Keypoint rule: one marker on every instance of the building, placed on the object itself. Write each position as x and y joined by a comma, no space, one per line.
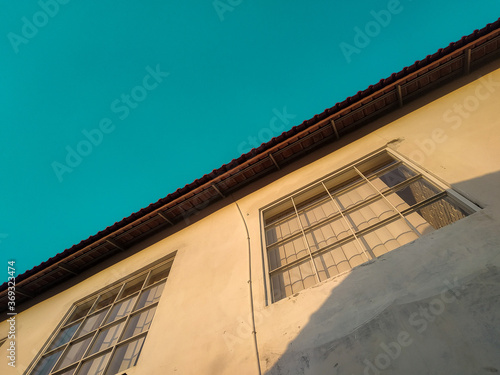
362,241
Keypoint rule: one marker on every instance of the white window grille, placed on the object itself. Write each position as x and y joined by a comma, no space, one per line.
104,334
359,213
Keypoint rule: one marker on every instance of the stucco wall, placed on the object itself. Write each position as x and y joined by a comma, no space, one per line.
437,297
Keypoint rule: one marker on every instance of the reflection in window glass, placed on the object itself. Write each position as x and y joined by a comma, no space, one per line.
92,323
139,323
133,286
81,311
74,352
64,336
150,296
125,356
94,366
71,371
106,299
121,309
159,273
108,337
46,363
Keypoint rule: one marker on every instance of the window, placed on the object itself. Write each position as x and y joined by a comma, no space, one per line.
359,213
104,334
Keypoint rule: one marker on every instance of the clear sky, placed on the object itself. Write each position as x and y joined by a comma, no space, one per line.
109,106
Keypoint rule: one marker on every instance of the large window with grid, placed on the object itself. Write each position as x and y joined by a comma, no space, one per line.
104,334
359,213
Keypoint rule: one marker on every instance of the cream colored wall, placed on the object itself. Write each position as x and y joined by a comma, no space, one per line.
202,324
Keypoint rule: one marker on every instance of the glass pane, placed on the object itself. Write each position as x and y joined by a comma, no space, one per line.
339,259
419,223
64,336
412,194
139,323
355,195
133,286
81,311
150,296
71,371
286,252
327,234
108,337
370,214
94,366
106,299
389,237
125,356
92,322
439,214
159,273
393,177
292,280
46,363
121,309
373,167
317,212
282,229
74,352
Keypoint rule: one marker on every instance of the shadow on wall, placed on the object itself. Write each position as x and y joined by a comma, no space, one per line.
429,307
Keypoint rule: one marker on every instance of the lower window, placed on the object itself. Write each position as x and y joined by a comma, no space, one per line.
357,214
104,334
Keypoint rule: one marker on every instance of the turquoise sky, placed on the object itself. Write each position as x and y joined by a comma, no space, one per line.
108,106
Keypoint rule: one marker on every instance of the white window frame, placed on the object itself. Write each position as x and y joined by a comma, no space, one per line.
65,322
463,201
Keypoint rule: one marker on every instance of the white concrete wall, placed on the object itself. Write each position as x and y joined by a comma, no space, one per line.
340,326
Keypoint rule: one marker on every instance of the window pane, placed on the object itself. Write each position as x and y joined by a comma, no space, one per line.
419,223
282,229
106,299
160,273
46,363
327,234
393,177
441,213
64,336
139,323
121,309
292,280
107,338
81,311
125,356
414,193
339,259
74,352
150,296
358,194
71,371
317,212
133,286
370,214
286,252
92,322
94,366
389,237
